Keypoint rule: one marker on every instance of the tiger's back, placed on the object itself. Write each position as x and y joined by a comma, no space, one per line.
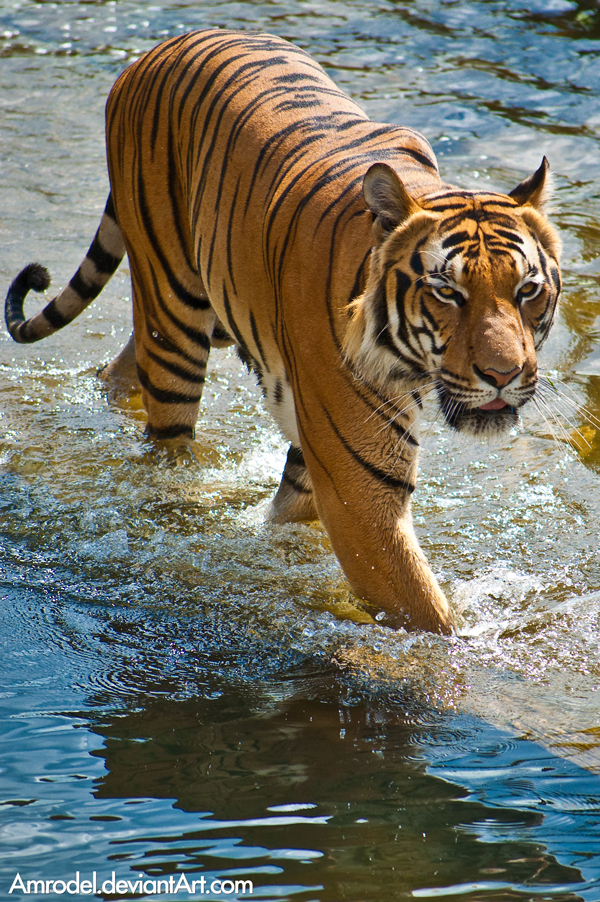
242,150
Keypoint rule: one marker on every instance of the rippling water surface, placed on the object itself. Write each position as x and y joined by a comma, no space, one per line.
188,691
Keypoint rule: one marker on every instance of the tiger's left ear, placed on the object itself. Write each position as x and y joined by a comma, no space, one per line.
536,189
387,198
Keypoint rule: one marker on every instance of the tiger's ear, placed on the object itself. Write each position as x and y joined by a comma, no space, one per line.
387,198
536,189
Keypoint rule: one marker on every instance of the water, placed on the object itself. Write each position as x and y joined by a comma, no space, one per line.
187,691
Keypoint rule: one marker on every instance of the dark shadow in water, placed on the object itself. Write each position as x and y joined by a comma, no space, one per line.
397,802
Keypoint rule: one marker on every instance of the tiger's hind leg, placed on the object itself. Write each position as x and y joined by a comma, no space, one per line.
294,501
172,337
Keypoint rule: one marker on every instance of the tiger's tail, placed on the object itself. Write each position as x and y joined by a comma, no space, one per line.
101,261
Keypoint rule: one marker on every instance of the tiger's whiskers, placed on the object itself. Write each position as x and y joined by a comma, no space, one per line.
552,392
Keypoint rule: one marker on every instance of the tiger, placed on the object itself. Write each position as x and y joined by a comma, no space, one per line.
259,206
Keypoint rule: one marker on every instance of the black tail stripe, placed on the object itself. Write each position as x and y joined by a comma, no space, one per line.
104,262
56,319
85,291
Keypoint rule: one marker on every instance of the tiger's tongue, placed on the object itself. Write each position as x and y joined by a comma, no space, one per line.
498,404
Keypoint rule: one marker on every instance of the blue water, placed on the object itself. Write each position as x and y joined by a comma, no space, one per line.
187,692
130,746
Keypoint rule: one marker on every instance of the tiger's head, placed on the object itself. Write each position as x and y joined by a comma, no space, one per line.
461,293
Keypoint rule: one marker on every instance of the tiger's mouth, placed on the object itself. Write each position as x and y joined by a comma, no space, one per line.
497,404
494,418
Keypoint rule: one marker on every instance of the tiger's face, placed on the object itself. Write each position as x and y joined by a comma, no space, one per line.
462,291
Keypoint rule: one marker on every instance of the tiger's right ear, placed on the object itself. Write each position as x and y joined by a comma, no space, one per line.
536,189
387,198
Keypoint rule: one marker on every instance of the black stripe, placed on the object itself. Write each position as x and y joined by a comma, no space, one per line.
165,396
291,78
230,243
509,235
233,325
179,210
85,291
359,281
109,209
257,342
445,207
295,469
416,261
302,490
342,220
374,471
348,189
455,238
56,319
166,63
174,431
103,261
504,247
295,457
198,336
454,253
427,315
220,333
458,380
403,283
542,256
306,443
186,297
381,320
177,369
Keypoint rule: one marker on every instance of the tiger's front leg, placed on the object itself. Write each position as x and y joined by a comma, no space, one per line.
361,458
408,590
369,523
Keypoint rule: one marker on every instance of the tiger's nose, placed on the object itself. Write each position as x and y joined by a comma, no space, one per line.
494,377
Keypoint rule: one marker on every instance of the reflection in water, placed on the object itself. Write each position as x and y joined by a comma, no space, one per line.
185,689
216,759
496,818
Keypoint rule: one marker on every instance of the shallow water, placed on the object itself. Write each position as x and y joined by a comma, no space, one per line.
187,691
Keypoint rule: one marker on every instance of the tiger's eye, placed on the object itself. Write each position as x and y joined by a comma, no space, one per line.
445,291
529,289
